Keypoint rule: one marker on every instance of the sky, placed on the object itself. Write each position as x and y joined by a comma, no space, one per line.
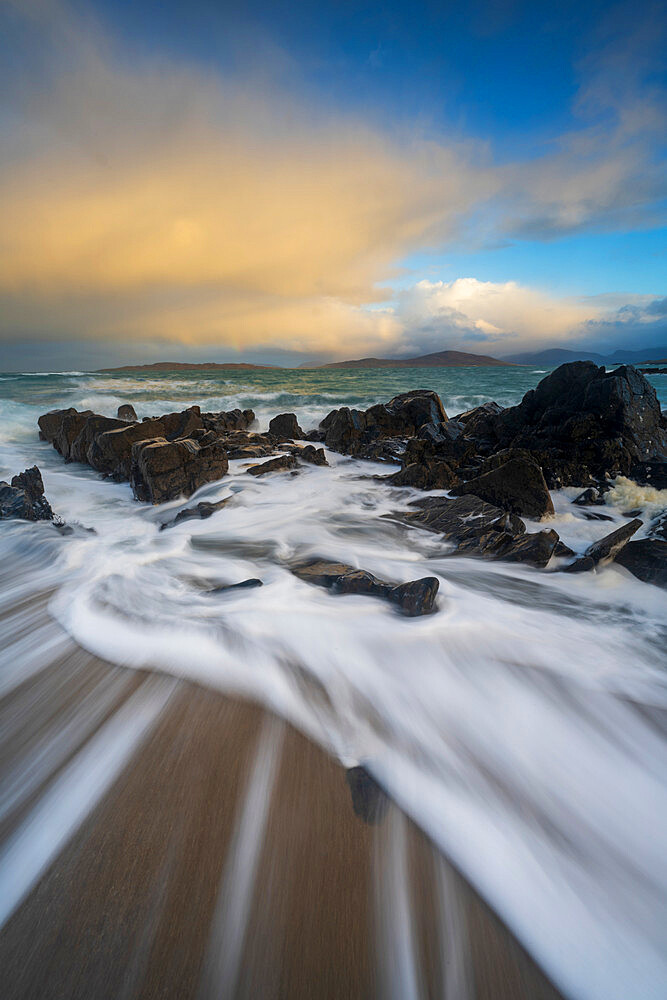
293,182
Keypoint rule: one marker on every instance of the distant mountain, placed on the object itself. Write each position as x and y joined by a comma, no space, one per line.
183,366
441,359
559,356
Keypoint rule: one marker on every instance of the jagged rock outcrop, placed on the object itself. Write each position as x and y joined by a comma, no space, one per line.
111,451
414,598
164,470
582,423
228,420
351,431
126,412
92,427
646,559
24,498
605,549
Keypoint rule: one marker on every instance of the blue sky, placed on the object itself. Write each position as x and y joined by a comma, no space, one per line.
331,179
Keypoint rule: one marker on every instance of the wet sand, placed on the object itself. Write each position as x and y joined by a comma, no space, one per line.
204,848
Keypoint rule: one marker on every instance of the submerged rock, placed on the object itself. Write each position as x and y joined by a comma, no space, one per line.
24,498
369,800
200,511
646,559
414,598
165,470
249,584
281,464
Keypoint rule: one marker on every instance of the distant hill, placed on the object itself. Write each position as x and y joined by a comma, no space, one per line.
558,356
441,359
183,366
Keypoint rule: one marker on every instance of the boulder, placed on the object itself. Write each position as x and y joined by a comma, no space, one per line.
285,425
281,464
314,456
164,470
425,476
248,444
352,431
582,423
593,496
200,512
111,451
646,559
49,423
24,498
414,598
605,549
70,428
126,412
517,486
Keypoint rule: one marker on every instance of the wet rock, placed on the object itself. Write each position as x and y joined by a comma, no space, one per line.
414,598
111,451
126,412
646,559
49,423
651,473
355,432
71,426
228,420
281,464
517,486
590,515
369,800
593,496
164,470
285,425
316,435
582,422
200,511
248,444
432,475
24,498
605,549
92,427
249,584
563,550
314,456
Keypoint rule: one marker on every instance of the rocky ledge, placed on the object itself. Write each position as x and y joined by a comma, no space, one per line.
580,426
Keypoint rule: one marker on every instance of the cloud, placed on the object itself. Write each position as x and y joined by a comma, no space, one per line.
145,199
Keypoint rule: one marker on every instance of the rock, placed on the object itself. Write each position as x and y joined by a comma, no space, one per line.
111,451
353,431
71,426
605,549
248,444
285,425
593,496
316,435
425,476
314,456
24,499
243,585
590,515
165,470
517,486
200,511
414,598
646,559
369,801
582,423
563,550
281,464
49,423
650,473
230,420
126,412
535,548
93,426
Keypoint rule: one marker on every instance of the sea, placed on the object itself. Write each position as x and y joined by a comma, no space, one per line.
522,726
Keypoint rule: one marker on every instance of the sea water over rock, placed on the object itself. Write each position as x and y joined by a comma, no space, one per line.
521,724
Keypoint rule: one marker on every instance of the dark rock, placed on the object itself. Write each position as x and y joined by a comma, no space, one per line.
517,486
344,429
414,598
24,499
165,470
352,431
243,585
658,528
69,430
285,425
200,511
563,550
314,456
369,800
248,444
126,412
590,515
49,423
316,435
650,473
535,548
92,427
281,464
646,559
592,496
581,565
637,512
230,420
425,476
469,417
111,451
605,549
582,423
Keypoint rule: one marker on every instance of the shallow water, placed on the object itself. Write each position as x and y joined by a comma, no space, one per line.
522,725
